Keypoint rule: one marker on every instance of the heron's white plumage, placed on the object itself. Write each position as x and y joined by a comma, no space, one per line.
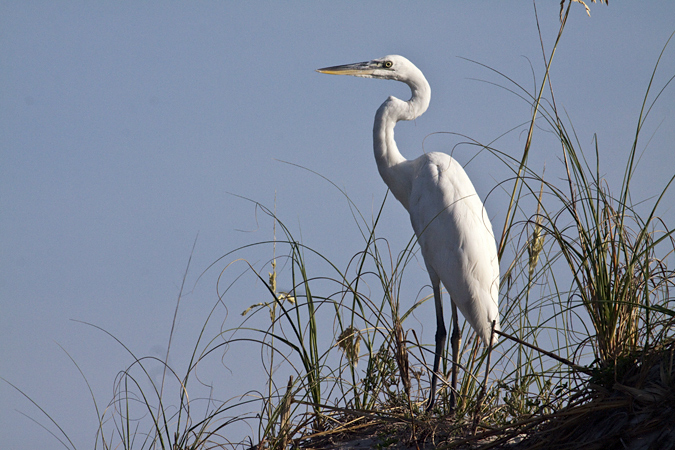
456,238
451,224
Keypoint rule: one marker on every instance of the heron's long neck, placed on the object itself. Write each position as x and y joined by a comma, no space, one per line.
389,159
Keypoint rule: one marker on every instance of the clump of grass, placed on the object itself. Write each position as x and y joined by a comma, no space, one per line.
617,259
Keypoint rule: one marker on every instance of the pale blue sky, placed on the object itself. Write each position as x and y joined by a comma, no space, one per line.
125,127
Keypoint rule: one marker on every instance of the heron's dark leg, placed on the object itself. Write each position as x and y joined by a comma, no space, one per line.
441,333
455,341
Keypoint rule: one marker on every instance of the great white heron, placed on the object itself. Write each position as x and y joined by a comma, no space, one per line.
452,227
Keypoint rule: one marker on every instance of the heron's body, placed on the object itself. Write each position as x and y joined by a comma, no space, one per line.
456,238
452,227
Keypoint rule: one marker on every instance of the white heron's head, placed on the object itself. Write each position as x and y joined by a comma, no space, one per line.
391,67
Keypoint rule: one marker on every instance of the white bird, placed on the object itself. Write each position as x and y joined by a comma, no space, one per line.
451,224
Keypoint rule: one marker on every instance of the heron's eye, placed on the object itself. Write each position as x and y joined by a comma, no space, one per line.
388,64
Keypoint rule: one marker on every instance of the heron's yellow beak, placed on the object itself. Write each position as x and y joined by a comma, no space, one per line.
358,69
